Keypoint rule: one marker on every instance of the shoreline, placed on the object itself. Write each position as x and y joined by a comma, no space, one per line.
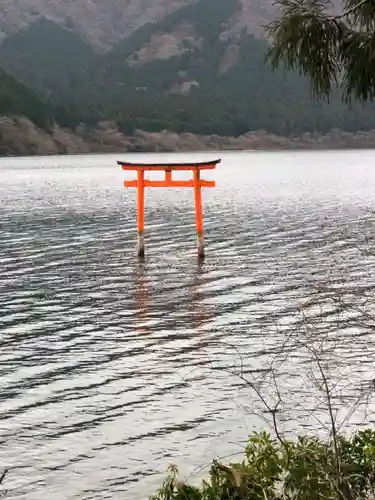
20,137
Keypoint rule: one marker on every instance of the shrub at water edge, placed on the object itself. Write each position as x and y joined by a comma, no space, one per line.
305,469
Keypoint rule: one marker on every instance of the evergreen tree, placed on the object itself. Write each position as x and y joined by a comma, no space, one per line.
331,49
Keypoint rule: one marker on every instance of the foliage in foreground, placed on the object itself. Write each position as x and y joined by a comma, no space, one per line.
330,49
305,469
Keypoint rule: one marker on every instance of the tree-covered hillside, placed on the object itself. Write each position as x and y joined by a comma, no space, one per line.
184,73
47,58
16,99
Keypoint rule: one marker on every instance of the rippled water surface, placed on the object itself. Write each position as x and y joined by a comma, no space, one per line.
110,367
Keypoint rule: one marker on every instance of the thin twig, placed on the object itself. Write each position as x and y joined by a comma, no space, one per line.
3,475
350,11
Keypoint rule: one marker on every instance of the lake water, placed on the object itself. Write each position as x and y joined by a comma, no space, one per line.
112,369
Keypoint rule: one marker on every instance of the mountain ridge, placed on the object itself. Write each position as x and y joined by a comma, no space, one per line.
182,73
16,99
103,24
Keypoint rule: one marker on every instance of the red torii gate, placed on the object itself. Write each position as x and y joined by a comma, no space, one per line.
197,183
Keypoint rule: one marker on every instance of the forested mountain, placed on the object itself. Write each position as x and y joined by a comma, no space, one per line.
189,72
104,22
49,59
16,99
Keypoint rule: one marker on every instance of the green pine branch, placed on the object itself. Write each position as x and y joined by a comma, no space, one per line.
331,50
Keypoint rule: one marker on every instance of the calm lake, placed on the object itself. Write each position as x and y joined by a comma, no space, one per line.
112,369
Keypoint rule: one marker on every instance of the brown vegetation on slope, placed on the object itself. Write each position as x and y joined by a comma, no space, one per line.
20,137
